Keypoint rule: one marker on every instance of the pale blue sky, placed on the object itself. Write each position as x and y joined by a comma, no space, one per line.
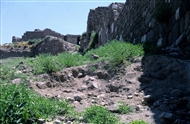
65,17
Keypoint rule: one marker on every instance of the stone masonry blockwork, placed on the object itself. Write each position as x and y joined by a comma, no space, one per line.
133,22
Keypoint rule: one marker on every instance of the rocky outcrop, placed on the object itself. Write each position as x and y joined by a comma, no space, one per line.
53,45
138,21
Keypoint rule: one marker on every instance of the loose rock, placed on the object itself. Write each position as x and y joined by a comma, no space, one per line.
77,98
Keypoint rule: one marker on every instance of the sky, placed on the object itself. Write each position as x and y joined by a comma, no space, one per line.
65,17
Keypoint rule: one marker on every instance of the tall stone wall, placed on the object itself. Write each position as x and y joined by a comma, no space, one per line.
32,35
100,21
133,22
6,53
136,24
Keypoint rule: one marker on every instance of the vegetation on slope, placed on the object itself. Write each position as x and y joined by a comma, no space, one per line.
19,104
115,52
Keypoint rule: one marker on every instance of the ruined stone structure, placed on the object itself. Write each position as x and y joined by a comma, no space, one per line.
100,20
6,53
50,45
75,39
15,39
40,34
133,22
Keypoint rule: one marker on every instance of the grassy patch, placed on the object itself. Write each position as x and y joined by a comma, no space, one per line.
19,105
117,52
8,71
138,122
99,115
33,41
124,109
46,63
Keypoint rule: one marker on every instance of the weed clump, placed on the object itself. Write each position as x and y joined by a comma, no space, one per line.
117,52
99,115
124,109
21,105
138,122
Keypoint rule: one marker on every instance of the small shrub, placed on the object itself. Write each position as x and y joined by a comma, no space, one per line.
33,41
99,115
138,122
15,44
162,12
83,35
45,63
67,59
30,42
92,69
19,105
93,41
124,109
6,73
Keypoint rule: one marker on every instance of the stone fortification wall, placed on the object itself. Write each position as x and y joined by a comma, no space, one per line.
74,39
36,34
40,34
32,35
14,53
52,33
134,22
95,20
98,19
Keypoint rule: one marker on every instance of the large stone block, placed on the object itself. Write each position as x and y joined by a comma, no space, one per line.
174,33
150,36
187,20
182,24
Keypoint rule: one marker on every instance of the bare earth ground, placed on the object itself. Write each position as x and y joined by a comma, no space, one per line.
157,88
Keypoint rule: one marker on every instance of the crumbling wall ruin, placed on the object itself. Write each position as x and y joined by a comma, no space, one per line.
40,34
100,20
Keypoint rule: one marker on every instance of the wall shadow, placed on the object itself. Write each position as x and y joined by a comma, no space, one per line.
166,84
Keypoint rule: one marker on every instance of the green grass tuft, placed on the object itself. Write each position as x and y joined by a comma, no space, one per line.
138,122
99,115
124,109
